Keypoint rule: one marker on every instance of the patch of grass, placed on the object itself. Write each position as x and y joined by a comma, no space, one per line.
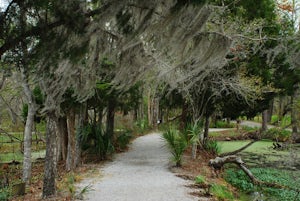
238,179
249,128
200,179
221,192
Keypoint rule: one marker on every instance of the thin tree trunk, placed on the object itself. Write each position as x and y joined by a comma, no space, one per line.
27,163
294,121
50,169
110,119
184,113
81,122
63,133
270,111
206,128
70,163
264,125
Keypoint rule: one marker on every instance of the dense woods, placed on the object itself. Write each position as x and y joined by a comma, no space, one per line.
75,64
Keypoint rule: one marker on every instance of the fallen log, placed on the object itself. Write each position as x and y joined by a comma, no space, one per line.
219,162
240,149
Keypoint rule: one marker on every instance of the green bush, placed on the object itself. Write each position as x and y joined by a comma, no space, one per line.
285,178
212,146
177,144
94,140
142,125
249,128
221,192
123,140
223,124
277,134
4,194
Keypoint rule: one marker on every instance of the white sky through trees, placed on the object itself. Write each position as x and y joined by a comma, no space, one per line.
3,4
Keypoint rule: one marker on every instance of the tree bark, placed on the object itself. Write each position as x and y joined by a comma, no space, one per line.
206,129
27,163
264,125
63,137
110,119
81,122
294,120
50,169
70,163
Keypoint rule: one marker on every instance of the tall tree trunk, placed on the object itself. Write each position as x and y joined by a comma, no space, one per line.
63,137
70,163
184,113
294,119
81,123
270,111
27,163
264,124
50,168
206,128
150,109
110,119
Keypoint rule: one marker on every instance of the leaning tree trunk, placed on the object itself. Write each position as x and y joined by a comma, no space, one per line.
27,163
264,125
50,168
70,163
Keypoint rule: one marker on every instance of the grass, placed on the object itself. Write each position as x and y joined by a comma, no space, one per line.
221,192
286,178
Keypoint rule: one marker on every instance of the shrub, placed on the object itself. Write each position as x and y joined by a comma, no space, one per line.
4,194
142,125
177,144
95,140
123,140
223,124
277,134
212,146
221,192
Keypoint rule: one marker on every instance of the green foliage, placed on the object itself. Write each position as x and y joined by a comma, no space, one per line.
123,140
212,146
223,124
238,179
277,134
142,125
192,132
94,139
221,192
4,194
177,144
200,179
249,128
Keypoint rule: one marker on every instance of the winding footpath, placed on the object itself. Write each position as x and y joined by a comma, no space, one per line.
141,174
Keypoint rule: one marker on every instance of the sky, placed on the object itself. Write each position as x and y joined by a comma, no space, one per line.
3,3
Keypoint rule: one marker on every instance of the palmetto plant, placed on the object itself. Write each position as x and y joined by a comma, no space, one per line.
176,143
194,131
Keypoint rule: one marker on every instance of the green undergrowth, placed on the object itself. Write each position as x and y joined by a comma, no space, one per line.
221,192
288,179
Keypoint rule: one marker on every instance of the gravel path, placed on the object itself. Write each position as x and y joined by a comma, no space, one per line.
141,174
